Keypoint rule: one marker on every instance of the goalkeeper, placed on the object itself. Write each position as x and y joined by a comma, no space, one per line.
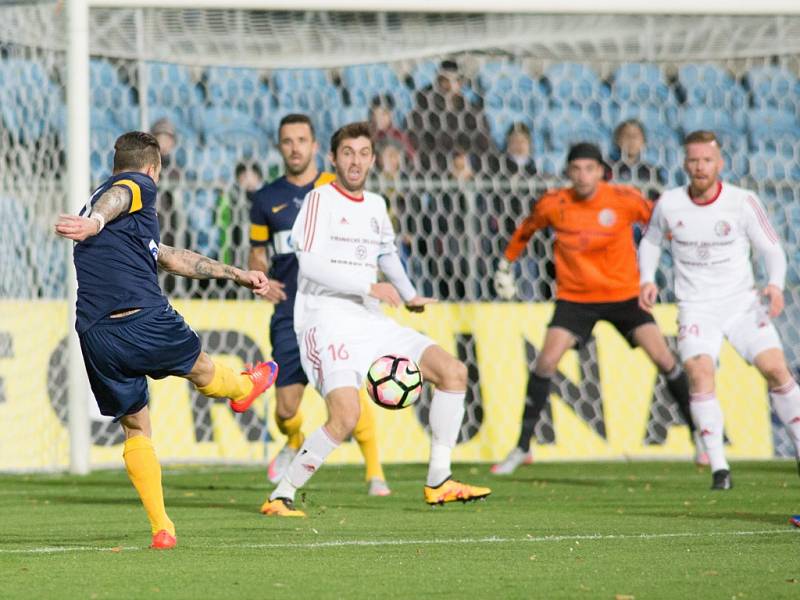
597,279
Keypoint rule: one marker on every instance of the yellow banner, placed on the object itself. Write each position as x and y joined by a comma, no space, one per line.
497,339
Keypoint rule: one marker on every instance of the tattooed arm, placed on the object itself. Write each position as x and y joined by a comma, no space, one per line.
196,266
114,202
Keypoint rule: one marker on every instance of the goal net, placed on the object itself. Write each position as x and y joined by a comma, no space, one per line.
476,113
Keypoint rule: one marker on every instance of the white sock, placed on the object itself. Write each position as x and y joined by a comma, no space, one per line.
309,459
707,417
447,412
786,402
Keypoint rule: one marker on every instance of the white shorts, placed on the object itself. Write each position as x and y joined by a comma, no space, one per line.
338,351
744,321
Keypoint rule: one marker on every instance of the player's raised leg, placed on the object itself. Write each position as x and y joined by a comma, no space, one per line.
144,471
216,380
343,414
783,391
708,418
449,375
557,341
648,337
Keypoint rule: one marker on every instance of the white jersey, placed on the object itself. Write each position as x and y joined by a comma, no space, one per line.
711,243
338,240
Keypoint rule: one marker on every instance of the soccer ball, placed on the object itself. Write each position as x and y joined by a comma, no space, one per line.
394,382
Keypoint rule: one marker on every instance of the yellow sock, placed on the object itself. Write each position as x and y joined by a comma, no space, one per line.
144,472
226,383
291,429
367,439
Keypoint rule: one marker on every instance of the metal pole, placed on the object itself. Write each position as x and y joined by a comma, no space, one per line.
78,192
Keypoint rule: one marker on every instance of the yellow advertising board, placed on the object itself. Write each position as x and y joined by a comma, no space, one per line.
605,419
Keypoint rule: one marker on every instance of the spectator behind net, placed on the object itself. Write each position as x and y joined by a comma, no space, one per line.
627,159
384,128
518,156
443,119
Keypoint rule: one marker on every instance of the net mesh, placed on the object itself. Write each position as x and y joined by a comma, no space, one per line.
216,83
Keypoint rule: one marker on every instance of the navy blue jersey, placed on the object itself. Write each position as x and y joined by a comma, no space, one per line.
117,268
274,210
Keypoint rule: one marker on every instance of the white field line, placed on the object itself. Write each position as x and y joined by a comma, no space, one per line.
443,541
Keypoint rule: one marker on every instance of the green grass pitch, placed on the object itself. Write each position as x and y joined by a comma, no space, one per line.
574,530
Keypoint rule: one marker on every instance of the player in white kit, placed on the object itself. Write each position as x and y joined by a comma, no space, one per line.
343,237
711,227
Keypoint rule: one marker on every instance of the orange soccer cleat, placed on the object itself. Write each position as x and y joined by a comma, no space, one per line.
452,490
163,540
263,375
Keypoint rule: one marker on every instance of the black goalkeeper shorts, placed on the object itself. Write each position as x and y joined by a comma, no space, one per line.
579,318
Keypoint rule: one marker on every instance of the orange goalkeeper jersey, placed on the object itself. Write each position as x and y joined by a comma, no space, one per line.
595,255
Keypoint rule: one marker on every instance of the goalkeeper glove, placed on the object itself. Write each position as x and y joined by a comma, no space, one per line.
504,280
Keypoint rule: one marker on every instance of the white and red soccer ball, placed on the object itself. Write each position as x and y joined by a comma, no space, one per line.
394,382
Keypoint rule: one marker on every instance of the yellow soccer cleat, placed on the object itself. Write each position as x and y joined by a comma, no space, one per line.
281,507
452,490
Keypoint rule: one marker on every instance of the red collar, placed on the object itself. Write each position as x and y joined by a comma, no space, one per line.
346,195
713,199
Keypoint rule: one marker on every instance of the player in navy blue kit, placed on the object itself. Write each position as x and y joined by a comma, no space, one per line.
126,326
275,207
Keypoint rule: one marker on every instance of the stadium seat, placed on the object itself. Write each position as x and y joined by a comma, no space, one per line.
231,128
641,83
364,82
720,122
423,74
574,81
507,85
773,86
786,145
569,125
768,121
708,84
242,89
172,94
773,167
110,93
31,105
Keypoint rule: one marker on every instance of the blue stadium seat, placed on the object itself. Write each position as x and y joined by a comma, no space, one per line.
768,122
423,74
31,105
101,149
773,86
211,165
550,163
364,82
507,86
786,145
200,206
231,128
720,122
242,89
574,81
569,125
297,80
640,82
773,167
708,84
172,93
110,93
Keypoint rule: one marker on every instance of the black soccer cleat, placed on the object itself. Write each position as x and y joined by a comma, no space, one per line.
721,480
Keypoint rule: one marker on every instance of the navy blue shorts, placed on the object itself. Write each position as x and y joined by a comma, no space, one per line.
286,352
118,353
